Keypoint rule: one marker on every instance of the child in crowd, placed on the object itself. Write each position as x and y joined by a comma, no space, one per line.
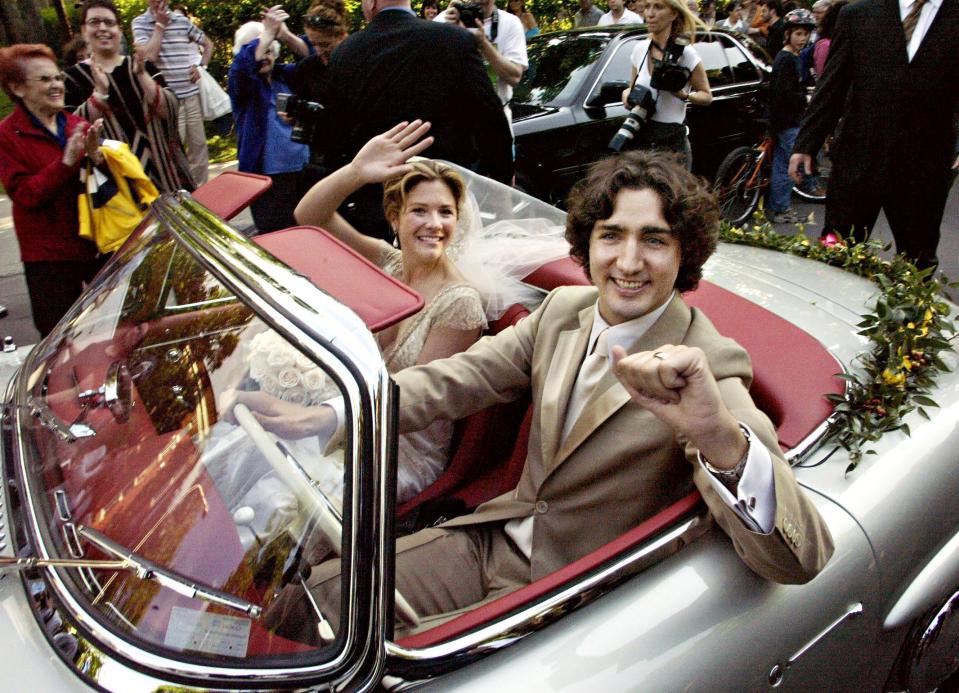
787,102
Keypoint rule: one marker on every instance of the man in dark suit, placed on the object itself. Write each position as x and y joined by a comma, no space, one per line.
401,67
890,66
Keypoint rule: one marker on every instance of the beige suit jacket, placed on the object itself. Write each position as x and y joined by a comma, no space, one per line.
620,464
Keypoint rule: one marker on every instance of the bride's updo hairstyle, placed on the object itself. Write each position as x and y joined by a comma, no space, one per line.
397,190
689,207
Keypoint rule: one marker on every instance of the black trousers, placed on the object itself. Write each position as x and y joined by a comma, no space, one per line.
54,286
665,137
274,209
914,212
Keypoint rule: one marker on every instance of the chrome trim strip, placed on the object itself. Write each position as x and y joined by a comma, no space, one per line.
852,611
251,273
437,659
810,444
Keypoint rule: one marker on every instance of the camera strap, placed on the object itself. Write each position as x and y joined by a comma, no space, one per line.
494,25
645,60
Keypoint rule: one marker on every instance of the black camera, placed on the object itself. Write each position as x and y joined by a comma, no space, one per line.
470,12
305,115
643,106
668,74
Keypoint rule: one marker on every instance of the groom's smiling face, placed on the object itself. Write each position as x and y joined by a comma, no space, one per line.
634,257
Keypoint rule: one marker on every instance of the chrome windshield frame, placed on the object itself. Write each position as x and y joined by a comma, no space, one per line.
327,332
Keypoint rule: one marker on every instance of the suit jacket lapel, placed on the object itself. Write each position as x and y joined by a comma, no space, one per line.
609,396
564,366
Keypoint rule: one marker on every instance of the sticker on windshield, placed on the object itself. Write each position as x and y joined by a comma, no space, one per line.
218,634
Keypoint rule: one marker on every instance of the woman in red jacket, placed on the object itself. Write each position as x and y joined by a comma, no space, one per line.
41,149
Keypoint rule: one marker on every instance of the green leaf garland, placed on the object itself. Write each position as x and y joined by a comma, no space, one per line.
908,330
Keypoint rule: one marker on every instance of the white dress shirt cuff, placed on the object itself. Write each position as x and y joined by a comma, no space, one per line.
755,499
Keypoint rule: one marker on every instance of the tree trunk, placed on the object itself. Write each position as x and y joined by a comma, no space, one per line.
30,11
13,27
64,20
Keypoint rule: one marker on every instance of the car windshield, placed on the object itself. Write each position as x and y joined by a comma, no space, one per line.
189,515
557,67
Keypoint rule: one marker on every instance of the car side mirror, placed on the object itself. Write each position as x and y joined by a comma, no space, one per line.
609,92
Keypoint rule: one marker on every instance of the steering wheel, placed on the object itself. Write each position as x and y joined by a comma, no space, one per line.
309,495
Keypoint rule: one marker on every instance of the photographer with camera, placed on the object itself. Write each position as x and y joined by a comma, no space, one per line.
258,89
501,40
667,74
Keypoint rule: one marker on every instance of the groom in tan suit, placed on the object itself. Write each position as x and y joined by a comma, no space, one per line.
636,399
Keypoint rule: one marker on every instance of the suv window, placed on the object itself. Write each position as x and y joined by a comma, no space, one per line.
714,61
557,68
743,70
620,66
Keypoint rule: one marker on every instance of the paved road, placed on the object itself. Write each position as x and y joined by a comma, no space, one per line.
19,325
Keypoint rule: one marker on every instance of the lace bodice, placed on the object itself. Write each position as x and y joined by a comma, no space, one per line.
457,306
423,455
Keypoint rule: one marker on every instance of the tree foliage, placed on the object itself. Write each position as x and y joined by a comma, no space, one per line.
220,19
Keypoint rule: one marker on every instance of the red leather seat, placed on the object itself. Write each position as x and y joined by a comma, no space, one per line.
231,192
490,447
379,299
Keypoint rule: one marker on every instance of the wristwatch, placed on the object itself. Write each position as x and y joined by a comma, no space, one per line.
731,477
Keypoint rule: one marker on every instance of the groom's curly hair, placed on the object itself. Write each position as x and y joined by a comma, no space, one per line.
689,206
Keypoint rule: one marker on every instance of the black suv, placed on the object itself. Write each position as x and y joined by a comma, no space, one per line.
568,105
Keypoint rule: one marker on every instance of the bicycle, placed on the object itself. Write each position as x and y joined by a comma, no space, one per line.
743,177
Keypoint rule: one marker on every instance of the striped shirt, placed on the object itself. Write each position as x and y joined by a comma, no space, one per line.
179,51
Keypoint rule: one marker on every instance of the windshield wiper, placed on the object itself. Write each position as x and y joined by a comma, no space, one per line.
147,570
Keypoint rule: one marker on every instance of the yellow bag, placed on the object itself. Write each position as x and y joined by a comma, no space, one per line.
112,206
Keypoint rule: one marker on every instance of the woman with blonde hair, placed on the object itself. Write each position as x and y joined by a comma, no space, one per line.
672,28
423,201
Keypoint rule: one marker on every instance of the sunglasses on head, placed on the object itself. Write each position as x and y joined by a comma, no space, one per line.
316,22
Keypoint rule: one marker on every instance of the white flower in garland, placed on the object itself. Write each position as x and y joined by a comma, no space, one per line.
283,372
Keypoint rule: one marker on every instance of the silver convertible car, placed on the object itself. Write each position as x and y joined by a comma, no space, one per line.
144,537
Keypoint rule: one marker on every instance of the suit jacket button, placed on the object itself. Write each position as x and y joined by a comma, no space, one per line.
542,507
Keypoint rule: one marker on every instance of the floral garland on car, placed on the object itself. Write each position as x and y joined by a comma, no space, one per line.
908,330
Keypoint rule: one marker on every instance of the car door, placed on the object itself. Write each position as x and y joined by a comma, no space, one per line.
599,118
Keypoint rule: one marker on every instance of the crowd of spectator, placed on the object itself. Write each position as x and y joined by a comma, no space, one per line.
403,65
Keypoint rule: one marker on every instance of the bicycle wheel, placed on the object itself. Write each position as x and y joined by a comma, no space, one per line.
736,186
815,187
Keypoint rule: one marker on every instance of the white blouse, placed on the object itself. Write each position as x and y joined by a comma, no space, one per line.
669,109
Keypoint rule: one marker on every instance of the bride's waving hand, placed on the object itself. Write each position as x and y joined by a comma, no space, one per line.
382,158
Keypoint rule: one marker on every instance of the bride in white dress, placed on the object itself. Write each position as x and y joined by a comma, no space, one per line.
466,264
